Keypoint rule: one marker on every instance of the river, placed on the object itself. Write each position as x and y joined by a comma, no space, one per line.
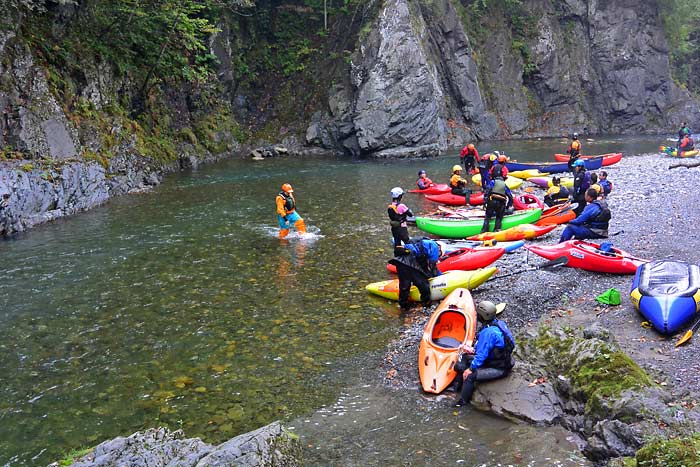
182,308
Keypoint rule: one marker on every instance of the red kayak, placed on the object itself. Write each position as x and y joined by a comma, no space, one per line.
436,189
608,159
557,214
465,259
588,255
527,201
475,199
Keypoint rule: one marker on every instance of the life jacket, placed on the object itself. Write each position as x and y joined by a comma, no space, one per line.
581,183
597,187
498,191
687,144
397,216
498,171
289,203
602,219
575,148
455,182
423,183
606,185
501,357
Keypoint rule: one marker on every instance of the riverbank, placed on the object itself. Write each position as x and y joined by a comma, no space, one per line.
655,221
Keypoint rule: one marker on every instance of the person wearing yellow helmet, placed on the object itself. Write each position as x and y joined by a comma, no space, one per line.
458,185
468,158
287,214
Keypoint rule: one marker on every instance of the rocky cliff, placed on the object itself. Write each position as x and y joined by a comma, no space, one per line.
421,83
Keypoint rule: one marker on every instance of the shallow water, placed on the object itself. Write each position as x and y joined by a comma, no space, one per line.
182,308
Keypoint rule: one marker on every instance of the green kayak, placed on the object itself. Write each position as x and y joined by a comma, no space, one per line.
461,228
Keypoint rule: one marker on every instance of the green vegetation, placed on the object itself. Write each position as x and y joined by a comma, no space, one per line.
680,19
596,370
677,452
73,456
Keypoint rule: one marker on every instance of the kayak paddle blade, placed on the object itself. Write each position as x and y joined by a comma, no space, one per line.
686,337
554,263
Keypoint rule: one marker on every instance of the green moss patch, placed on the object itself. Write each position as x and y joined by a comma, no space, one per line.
678,452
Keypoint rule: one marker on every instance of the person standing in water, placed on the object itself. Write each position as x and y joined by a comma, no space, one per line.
287,214
398,214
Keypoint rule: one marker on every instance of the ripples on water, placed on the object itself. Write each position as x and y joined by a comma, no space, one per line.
182,308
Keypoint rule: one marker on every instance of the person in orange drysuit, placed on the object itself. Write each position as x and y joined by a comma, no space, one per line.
286,212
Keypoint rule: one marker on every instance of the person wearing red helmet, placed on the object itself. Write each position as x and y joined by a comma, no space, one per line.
468,158
287,214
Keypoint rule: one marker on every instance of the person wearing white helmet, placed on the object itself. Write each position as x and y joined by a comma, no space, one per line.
287,214
398,215
491,359
574,151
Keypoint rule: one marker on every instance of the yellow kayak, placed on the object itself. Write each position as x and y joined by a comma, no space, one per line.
525,174
440,286
511,182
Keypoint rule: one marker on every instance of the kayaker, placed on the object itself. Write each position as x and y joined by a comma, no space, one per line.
287,213
499,170
491,359
687,144
605,183
398,214
496,198
593,221
423,181
684,130
458,185
595,185
574,151
416,262
468,158
484,167
582,181
557,193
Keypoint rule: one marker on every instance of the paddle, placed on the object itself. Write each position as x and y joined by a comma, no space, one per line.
472,213
552,264
688,334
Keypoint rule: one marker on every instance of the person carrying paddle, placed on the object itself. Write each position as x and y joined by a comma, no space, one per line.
286,212
468,158
416,262
398,214
557,193
458,185
593,221
423,181
491,359
582,181
574,151
496,198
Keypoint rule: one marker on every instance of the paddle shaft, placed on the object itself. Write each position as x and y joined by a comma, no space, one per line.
555,263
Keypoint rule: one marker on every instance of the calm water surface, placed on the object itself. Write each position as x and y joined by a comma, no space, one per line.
182,308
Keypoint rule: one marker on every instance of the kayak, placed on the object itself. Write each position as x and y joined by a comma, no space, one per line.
449,245
588,255
594,163
433,189
462,228
511,182
475,199
667,293
608,159
465,259
525,174
452,323
546,182
440,286
673,152
527,201
557,214
519,232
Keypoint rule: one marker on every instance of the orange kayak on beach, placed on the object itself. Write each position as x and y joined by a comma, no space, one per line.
519,232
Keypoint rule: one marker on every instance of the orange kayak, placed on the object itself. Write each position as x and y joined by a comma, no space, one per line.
519,232
452,323
557,214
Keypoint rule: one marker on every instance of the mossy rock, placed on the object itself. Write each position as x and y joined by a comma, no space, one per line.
677,452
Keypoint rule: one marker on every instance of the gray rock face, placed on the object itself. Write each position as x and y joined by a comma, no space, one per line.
270,445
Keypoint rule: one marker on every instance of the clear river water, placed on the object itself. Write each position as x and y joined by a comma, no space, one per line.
182,308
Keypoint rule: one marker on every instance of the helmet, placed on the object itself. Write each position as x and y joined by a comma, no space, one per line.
421,172
502,158
288,188
396,192
493,157
555,180
575,136
486,310
577,163
456,168
496,153
471,146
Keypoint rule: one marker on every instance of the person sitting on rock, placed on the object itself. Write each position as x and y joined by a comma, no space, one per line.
593,221
416,262
458,185
423,181
468,158
557,193
605,184
491,359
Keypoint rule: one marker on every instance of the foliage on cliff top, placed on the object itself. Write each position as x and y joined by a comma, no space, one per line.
680,19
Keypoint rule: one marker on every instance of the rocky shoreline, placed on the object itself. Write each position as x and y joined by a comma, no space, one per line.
559,306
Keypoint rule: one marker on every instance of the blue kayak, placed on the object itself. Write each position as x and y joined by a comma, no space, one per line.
594,163
667,293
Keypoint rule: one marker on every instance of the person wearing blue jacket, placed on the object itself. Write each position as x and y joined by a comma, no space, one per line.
593,221
416,262
493,356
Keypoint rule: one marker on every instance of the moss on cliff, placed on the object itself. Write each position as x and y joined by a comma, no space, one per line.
677,452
